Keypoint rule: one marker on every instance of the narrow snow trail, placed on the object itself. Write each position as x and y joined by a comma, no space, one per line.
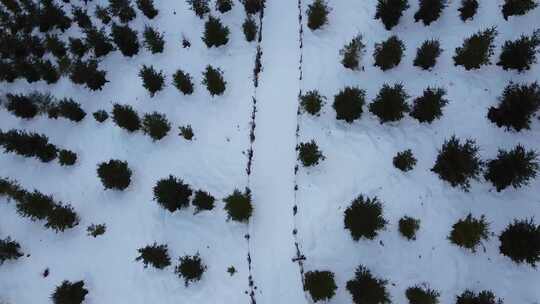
272,183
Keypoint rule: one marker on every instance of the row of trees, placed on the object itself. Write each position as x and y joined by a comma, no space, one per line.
28,106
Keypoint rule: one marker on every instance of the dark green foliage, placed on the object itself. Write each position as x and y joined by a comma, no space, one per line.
153,40
215,34
22,106
458,163
408,227
125,117
9,250
388,53
62,217
7,71
367,289
96,230
517,105
238,205
122,9
69,293
153,81
28,145
348,104
100,115
51,16
125,39
56,46
404,160
88,73
422,294
12,5
213,80
147,7
429,11
520,54
317,14
231,270
67,108
203,201
250,28
309,154
48,71
199,7
428,107
98,41
67,158
320,285
172,194
77,47
390,104
252,7
28,69
518,7
191,268
483,297
102,13
11,189
155,255
476,50
156,125
427,54
520,241
468,9
182,81
352,52
389,11
312,102
35,205
186,132
363,218
114,174
81,17
224,6
512,168
469,232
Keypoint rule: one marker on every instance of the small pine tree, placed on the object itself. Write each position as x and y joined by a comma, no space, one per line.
156,125
199,7
348,104
512,168
98,41
224,6
88,73
21,106
147,7
320,285
317,14
77,47
312,102
183,82
388,54
62,217
404,160
81,17
252,7
49,16
458,163
7,71
250,28
102,13
428,107
67,158
309,154
125,39
172,194
427,54
28,145
517,105
408,227
153,40
390,104
28,70
69,293
238,206
468,9
363,218
476,50
69,109
366,288
155,255
213,80
422,294
101,116
9,250
96,230
352,53
56,46
469,232
186,132
429,11
520,54
114,174
483,297
520,241
518,7
125,117
203,201
390,11
48,71
153,81
191,268
122,9
215,34
35,205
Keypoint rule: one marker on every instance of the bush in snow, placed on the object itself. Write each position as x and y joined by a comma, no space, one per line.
408,227
348,104
96,230
102,13
28,145
155,255
427,54
69,293
250,28
422,294
153,81
122,9
320,285
428,107
98,41
476,50
50,16
312,102
78,47
191,268
352,53
390,104
156,125
62,217
199,7
483,297
35,205
317,14
125,39
517,105
517,7
48,71
224,6
389,11
203,201
67,108
9,250
148,8
253,6
182,81
11,189
512,168
458,163
87,73
363,218
238,205
469,232
67,158
309,154
520,54
172,194
114,174
366,288
429,11
22,106
388,54
520,241
153,40
81,17
215,34
56,46
213,80
126,118
100,115
468,9
404,160
186,132
28,69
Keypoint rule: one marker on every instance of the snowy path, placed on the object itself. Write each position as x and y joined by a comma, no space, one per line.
277,278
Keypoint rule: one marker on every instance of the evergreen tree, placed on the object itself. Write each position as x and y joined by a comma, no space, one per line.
81,17
367,289
56,46
88,73
348,104
512,168
172,193
156,125
186,132
69,293
517,105
422,294
404,161
77,47
215,34
125,39
28,69
363,218
252,7
389,11
183,82
388,53
483,297
203,201
28,145
153,40
428,107
199,7
148,8
468,9
213,80
35,205
100,115
62,217
309,154
520,241
320,285
155,255
50,16
102,13
7,71
9,250
429,11
22,106
238,206
96,230
352,53
122,9
312,102
469,232
125,117
476,50
153,81
191,268
317,14
250,28
98,41
48,71
517,7
390,104
520,54
408,227
69,109
67,158
114,174
427,54
224,6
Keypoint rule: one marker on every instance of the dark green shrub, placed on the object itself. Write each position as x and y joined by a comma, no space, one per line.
35,205
77,47
69,109
96,230
483,297
422,294
469,232
429,11
520,54
191,268
428,107
156,125
49,16
215,34
517,105
203,201
172,194
367,289
388,53
114,174
62,217
67,158
125,117
518,7
81,17
22,106
153,40
153,81
56,46
252,7
102,13
317,14
390,104
147,7
250,28
48,71
186,132
69,293
213,80
390,11
224,6
476,50
125,39
28,145
98,41
352,52
320,285
88,73
199,7
100,115
363,218
182,81
309,154
404,160
312,102
468,9
155,255
122,9
348,104
520,241
9,250
512,168
238,206
427,54
408,227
